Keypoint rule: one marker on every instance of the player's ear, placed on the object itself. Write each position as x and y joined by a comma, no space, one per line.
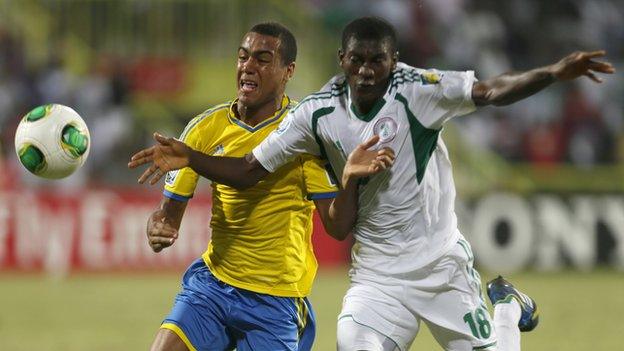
395,59
340,55
290,71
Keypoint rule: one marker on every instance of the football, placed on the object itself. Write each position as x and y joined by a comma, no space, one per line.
52,141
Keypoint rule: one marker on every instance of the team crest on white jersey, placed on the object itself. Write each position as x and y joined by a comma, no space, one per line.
386,128
430,77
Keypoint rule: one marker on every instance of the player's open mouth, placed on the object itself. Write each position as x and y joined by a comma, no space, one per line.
247,86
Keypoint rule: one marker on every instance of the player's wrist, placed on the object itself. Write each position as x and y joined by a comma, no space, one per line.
348,179
191,158
554,72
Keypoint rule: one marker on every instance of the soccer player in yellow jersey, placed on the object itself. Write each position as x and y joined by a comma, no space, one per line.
248,289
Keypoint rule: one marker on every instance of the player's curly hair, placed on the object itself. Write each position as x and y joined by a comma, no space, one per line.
288,43
369,28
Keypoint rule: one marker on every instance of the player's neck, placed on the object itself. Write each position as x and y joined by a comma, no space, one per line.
363,107
252,116
365,104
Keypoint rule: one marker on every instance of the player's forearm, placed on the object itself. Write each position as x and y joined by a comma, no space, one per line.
511,87
163,224
237,172
172,211
343,211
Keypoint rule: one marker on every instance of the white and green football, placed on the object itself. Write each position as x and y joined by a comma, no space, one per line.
52,141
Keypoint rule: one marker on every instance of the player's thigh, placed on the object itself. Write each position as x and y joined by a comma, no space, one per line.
457,316
273,323
167,340
353,336
200,314
451,340
379,308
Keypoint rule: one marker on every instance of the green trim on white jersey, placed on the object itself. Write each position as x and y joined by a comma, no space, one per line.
367,117
315,117
424,140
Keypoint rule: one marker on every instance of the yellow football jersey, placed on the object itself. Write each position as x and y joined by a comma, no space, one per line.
261,236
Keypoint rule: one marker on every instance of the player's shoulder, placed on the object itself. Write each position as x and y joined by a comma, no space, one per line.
327,97
408,77
211,115
214,111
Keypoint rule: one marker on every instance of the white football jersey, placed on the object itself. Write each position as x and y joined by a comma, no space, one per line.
406,216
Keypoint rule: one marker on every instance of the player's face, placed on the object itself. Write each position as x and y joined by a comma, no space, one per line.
261,75
367,65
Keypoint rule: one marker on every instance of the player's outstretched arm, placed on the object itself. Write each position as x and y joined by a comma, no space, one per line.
339,215
163,224
511,87
171,154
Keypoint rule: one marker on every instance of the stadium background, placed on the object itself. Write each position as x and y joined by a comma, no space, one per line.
540,183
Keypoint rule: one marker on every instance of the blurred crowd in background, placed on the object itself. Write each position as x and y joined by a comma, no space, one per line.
123,97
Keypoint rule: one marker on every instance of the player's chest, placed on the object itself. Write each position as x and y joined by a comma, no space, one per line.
235,142
342,131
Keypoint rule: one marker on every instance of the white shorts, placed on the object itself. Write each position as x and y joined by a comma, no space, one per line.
445,294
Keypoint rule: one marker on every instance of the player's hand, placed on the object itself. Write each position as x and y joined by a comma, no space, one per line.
582,63
363,162
169,154
159,233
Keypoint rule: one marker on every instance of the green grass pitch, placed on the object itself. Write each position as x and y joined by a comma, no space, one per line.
579,311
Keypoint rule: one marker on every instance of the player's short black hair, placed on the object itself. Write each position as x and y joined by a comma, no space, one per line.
369,28
288,43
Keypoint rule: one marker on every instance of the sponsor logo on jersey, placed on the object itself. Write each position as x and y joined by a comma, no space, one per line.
171,177
386,128
218,150
430,77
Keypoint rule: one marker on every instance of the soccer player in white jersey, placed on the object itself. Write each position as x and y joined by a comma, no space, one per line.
410,262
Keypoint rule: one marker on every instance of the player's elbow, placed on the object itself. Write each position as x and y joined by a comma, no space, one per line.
343,235
251,175
246,174
337,232
338,224
242,182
